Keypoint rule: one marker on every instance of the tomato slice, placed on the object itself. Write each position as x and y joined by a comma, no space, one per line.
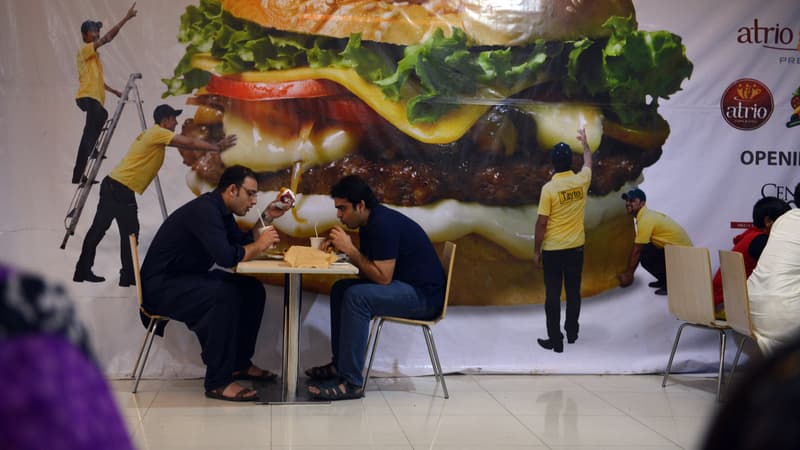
243,90
350,109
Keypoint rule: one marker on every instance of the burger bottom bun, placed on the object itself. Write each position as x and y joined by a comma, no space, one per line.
486,274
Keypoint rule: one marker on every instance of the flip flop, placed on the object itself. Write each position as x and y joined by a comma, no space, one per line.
240,396
265,376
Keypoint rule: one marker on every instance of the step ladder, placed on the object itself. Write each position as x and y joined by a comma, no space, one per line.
99,154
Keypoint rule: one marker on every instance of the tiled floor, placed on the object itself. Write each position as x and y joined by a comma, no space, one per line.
483,412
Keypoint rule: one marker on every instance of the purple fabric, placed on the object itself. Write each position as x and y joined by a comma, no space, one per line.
55,398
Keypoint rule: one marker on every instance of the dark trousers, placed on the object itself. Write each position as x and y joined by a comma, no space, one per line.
562,267
354,303
96,116
223,309
653,260
117,202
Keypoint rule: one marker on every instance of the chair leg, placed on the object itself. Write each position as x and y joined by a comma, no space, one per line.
736,358
141,350
437,366
722,337
151,335
376,328
672,355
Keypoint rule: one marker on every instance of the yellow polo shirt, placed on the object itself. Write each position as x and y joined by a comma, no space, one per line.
563,200
90,74
653,226
145,157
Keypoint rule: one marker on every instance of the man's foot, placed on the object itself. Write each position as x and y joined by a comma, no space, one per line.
326,372
656,284
661,291
233,392
255,374
549,344
127,281
336,389
572,339
86,275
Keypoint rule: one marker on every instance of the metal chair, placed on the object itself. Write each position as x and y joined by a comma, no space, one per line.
691,299
154,318
448,257
737,302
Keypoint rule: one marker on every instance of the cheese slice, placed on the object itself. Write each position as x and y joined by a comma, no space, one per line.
448,128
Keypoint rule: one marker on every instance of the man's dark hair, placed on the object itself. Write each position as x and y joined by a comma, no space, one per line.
354,190
771,207
234,175
561,156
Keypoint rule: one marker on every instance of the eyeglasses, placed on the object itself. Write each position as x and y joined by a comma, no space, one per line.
252,193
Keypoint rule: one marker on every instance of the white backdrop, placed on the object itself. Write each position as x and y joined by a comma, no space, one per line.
699,181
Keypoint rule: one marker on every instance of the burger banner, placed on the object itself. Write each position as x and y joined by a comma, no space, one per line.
448,109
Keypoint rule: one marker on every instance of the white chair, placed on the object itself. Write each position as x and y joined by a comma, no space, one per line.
448,257
155,319
737,302
691,298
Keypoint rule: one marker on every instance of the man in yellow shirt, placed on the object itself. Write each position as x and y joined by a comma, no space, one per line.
558,244
654,230
133,174
91,92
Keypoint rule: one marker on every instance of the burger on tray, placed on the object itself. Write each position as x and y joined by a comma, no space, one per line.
446,108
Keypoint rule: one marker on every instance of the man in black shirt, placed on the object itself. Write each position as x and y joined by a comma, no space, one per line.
224,309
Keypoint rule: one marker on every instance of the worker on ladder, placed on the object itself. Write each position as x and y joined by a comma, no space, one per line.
133,174
91,92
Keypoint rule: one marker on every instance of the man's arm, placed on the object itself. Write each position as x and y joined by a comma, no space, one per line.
265,240
112,90
112,33
189,143
380,272
587,152
541,228
626,278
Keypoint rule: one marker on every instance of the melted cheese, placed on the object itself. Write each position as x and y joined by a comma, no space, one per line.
448,128
559,122
510,228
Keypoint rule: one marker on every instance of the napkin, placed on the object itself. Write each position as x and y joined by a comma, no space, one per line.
299,256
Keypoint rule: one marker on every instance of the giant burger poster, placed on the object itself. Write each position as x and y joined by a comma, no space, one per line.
448,109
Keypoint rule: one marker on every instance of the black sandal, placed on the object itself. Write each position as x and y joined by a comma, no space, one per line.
245,395
326,372
331,390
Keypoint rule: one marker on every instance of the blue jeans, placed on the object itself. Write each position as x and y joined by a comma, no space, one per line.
354,303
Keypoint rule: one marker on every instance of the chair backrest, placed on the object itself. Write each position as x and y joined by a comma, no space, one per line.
734,288
137,274
448,258
689,290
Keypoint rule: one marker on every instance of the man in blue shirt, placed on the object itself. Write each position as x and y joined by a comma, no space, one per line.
224,309
400,275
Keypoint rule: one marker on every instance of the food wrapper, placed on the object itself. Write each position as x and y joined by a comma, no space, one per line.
307,257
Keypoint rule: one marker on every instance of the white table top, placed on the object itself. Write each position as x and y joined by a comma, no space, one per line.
276,266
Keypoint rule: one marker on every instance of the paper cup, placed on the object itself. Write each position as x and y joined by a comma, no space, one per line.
316,242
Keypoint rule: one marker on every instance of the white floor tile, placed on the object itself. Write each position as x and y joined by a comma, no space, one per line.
688,432
477,431
556,403
662,404
459,404
195,403
205,432
337,431
610,431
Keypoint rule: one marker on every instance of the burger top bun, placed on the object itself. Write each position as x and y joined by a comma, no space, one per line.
486,22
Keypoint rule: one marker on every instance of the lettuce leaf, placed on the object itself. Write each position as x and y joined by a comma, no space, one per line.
627,73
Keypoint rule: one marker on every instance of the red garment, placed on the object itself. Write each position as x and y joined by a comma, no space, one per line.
741,244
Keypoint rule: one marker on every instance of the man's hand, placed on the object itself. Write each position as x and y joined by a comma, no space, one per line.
276,208
116,92
131,12
582,136
226,142
625,279
537,260
267,237
341,241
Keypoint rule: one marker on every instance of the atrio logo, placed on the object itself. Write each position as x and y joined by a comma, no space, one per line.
746,104
772,36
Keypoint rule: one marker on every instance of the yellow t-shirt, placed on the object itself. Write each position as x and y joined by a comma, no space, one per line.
90,74
563,200
145,157
653,226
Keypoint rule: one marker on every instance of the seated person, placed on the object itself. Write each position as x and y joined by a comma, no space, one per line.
773,286
55,395
750,243
400,275
224,309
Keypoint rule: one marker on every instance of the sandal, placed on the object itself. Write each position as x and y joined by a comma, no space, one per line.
245,395
331,390
326,372
265,376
